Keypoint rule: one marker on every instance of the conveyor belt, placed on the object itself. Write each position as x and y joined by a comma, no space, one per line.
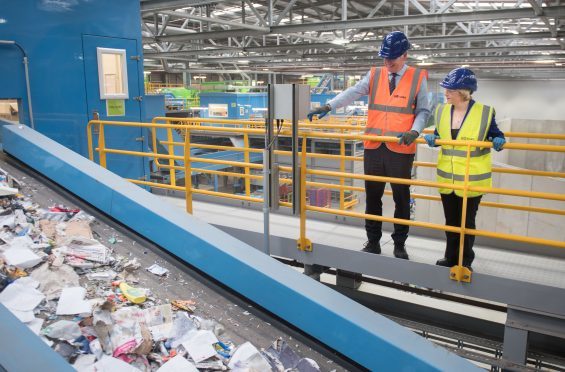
242,320
358,333
451,319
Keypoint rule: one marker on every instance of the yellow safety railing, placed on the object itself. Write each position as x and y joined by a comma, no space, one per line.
227,127
342,158
153,87
344,202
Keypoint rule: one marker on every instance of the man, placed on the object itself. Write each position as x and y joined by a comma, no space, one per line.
398,106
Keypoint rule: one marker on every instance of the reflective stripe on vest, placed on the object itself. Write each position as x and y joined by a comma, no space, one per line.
458,177
463,153
452,159
392,114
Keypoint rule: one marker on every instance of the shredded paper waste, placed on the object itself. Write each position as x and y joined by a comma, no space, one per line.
85,301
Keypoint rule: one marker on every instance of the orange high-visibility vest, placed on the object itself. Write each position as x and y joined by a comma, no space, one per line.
392,114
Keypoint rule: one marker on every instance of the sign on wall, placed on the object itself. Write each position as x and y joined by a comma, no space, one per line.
115,107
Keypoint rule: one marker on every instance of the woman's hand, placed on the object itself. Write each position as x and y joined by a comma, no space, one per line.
431,139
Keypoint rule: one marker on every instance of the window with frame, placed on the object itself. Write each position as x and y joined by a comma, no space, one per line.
112,73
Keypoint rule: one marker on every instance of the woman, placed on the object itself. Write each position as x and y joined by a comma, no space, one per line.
463,119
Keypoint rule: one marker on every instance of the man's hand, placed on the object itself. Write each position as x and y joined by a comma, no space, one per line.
498,143
407,138
320,111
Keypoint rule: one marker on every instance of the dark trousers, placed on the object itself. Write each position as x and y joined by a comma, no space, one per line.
384,162
452,209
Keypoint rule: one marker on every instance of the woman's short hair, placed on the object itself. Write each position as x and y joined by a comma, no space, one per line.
465,94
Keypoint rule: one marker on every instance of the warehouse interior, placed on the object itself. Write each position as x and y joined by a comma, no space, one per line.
175,133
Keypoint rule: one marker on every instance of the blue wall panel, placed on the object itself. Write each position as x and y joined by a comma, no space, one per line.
53,33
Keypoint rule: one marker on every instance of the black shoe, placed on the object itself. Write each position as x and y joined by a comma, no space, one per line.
400,252
445,262
372,247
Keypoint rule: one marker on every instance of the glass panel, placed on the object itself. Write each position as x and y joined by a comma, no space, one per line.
112,73
9,109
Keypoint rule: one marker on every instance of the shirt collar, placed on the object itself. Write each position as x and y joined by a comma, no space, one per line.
400,72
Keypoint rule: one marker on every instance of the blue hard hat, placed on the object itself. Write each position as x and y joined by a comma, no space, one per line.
460,78
394,45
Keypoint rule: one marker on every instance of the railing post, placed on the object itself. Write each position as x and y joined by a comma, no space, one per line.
154,143
102,145
89,141
342,169
172,170
246,159
460,273
304,244
187,171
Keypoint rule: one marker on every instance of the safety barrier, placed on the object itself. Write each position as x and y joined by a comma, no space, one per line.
342,133
153,87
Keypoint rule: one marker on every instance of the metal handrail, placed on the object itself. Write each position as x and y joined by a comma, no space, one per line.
172,168
458,273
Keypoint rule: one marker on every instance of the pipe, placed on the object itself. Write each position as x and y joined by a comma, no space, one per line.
26,69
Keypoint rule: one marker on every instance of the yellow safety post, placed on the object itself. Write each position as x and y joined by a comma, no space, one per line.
342,169
102,146
172,172
247,160
303,243
459,272
154,143
187,172
89,140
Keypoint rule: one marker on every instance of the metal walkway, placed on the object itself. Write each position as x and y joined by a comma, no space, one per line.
531,268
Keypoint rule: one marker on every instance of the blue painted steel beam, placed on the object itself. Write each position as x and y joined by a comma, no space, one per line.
23,350
369,339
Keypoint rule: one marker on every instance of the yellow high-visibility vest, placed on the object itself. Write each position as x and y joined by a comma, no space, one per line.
452,159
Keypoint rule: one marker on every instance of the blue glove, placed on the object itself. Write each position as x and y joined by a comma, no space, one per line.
407,137
320,111
431,139
498,143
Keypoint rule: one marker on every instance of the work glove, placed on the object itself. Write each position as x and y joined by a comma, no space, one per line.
407,138
498,143
431,139
320,111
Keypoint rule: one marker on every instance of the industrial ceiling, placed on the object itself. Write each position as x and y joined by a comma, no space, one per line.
503,38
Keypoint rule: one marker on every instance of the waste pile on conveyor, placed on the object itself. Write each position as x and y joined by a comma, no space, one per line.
88,304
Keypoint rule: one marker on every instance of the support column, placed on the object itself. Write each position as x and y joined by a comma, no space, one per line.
515,345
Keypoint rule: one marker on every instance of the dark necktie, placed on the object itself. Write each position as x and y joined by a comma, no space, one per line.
392,82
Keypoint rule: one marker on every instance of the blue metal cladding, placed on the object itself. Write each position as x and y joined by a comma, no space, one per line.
60,38
371,340
18,342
